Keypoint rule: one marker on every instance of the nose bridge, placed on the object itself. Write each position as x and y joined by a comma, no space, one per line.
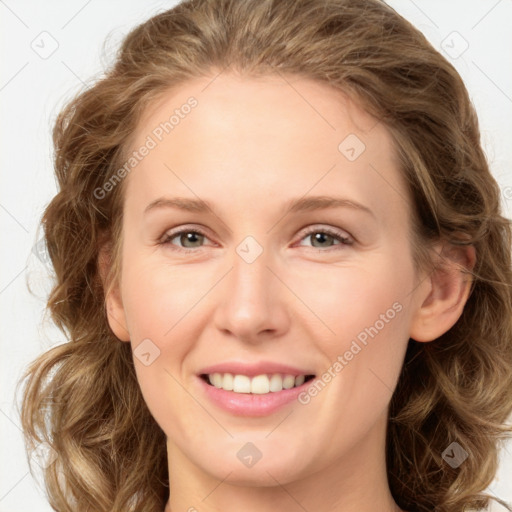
252,302
250,277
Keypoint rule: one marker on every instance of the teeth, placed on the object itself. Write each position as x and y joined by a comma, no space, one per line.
300,380
241,384
288,381
227,381
276,383
259,385
216,380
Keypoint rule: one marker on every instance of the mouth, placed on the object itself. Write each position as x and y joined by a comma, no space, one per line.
257,385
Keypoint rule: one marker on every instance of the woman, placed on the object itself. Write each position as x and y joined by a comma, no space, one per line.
260,369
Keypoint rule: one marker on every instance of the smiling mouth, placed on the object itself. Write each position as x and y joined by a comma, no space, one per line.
259,384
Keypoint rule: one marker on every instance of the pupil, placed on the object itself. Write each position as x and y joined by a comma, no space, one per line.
320,237
189,237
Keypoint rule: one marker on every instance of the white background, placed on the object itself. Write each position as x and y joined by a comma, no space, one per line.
33,89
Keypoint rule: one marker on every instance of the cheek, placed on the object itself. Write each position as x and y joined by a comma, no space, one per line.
366,310
159,301
158,297
346,299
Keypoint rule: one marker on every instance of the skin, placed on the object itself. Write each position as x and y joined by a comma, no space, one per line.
250,146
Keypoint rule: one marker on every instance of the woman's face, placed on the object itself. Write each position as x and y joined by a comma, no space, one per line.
300,265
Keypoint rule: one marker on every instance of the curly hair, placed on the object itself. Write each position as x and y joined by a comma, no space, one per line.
82,397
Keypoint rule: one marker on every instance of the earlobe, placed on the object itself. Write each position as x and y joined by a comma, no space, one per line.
448,288
113,303
116,315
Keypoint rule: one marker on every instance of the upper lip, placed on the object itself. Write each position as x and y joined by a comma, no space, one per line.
253,369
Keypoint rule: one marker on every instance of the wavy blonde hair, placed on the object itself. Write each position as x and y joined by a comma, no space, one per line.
82,397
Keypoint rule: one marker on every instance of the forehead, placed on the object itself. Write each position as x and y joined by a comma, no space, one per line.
262,104
260,138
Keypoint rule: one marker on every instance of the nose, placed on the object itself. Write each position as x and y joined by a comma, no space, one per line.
253,304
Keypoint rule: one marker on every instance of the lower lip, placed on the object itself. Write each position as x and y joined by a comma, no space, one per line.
249,404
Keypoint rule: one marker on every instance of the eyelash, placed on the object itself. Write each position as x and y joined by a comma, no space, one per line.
166,240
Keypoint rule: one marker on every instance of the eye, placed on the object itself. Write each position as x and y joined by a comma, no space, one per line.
193,238
186,237
324,237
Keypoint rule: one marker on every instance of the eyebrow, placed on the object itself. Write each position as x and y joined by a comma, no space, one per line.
302,204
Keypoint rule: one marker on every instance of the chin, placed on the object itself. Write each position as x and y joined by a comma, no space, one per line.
256,473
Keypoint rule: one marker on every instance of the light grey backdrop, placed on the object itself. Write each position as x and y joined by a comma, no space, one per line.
50,49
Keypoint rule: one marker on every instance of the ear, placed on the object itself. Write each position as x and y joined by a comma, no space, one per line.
113,303
447,290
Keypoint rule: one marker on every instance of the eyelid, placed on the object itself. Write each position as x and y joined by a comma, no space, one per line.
343,237
330,230
172,233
